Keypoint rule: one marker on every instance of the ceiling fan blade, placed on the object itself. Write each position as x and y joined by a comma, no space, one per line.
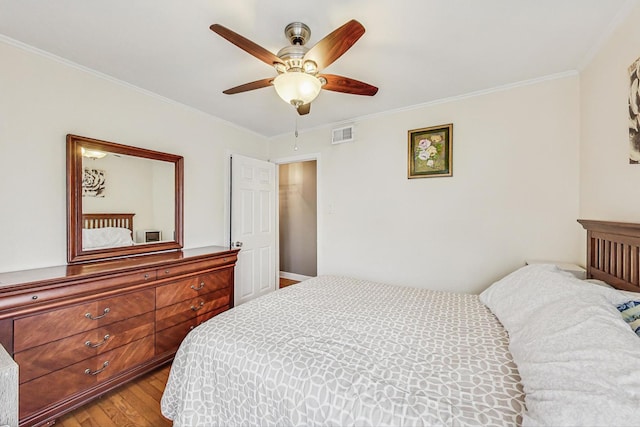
330,48
304,109
258,84
247,45
345,84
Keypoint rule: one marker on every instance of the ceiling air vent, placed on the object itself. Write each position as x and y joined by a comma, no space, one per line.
343,134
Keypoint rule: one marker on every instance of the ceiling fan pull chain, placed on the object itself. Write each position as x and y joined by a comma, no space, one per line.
295,145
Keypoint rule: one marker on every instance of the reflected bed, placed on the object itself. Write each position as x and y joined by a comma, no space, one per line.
101,220
107,230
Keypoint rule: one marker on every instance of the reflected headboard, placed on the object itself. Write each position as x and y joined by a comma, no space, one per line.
101,220
613,253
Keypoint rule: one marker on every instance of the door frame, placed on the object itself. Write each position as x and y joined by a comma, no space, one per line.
319,198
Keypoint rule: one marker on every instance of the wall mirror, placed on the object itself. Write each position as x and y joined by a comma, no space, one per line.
121,200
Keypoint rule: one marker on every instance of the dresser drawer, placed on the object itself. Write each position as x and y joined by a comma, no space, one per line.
39,329
192,267
181,312
64,383
42,296
168,340
192,287
41,360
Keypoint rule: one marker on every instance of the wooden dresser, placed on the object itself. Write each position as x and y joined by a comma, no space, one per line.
78,331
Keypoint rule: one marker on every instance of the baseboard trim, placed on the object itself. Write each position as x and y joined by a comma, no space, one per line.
293,276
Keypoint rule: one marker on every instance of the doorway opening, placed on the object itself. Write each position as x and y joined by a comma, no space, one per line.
298,221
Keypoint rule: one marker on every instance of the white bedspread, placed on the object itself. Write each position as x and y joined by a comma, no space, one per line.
338,351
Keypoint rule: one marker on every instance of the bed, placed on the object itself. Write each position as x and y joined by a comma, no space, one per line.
101,220
538,347
107,230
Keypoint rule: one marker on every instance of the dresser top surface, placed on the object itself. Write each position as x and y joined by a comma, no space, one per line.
77,271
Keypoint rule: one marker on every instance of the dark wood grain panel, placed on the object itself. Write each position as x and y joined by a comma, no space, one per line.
195,267
43,328
62,384
41,360
46,298
168,340
192,287
177,313
62,275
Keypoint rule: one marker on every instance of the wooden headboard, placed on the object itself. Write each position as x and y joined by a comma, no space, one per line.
101,220
613,253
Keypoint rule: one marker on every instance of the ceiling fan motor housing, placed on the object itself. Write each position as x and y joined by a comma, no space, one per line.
297,33
293,55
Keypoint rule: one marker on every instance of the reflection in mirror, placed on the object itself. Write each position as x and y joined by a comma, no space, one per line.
122,200
120,183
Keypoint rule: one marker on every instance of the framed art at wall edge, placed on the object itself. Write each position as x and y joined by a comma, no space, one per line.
634,112
430,152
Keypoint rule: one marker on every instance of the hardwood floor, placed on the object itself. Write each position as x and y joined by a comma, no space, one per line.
287,282
136,404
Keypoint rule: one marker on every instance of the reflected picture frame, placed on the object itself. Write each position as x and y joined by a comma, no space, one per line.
430,152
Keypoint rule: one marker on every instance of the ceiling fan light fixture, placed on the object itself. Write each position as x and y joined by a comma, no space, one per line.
280,67
297,88
92,154
310,67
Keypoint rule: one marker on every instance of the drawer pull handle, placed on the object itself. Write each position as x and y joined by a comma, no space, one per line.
104,313
198,307
98,344
198,287
146,276
166,272
105,365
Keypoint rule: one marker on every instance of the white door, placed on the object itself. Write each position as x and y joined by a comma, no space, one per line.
253,226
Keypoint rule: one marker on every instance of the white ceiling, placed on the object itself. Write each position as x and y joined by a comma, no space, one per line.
415,51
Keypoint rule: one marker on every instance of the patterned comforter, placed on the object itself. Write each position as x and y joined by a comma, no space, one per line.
334,351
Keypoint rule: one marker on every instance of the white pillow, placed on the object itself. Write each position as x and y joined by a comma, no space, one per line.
629,294
599,283
579,361
106,237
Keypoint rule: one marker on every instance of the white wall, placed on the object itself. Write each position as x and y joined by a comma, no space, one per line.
513,195
42,100
609,185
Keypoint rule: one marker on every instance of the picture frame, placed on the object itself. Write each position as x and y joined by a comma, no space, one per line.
634,112
93,182
430,152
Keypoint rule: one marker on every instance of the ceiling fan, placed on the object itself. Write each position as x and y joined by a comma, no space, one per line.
298,81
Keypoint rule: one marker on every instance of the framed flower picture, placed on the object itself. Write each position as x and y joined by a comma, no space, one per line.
430,152
634,112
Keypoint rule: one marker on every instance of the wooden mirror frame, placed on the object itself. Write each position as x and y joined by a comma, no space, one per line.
75,253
